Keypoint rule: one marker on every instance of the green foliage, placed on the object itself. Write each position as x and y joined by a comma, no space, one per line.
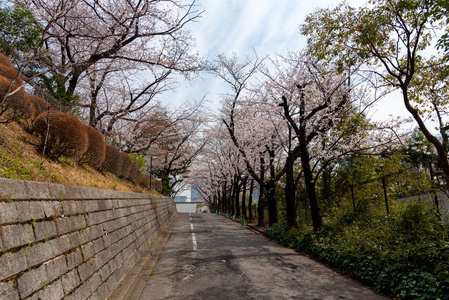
139,161
406,254
18,29
54,84
167,188
441,13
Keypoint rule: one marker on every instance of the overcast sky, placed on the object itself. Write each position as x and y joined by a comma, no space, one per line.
267,27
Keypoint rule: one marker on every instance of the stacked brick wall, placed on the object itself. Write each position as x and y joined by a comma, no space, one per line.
70,242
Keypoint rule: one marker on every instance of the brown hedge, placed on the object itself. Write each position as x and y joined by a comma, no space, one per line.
4,61
66,135
145,181
112,161
96,148
16,106
135,175
126,165
40,104
10,73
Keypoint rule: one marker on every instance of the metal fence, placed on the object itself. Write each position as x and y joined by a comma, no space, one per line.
442,199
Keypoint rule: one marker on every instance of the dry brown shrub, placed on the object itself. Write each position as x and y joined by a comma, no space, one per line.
40,104
96,148
135,175
145,181
112,161
60,134
10,73
16,106
4,61
126,165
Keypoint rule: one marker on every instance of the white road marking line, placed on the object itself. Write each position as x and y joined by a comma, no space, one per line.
191,226
195,248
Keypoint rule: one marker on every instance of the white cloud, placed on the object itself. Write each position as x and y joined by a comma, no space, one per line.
242,26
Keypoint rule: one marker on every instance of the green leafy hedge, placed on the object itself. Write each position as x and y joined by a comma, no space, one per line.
406,254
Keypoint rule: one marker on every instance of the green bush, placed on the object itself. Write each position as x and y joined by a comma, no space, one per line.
405,254
138,160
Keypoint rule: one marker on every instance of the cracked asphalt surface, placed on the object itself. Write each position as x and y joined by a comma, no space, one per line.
232,262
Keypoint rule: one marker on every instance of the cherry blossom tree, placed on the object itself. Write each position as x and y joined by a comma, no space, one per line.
298,109
252,128
169,140
112,94
146,34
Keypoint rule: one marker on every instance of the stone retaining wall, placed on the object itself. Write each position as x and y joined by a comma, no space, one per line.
69,242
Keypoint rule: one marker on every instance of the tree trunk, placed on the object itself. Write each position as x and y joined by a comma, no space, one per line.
232,197
440,147
310,187
245,179
260,206
352,196
224,198
271,191
250,200
92,113
327,187
290,193
272,207
237,196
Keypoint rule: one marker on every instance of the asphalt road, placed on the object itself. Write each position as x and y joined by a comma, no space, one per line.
210,257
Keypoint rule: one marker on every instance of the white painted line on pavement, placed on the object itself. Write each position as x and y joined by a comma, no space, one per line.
191,226
195,248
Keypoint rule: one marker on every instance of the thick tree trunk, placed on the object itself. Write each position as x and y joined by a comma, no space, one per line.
271,191
250,200
224,207
310,187
290,193
231,198
260,205
440,147
272,207
237,196
245,179
92,113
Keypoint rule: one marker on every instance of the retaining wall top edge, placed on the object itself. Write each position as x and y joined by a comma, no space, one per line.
24,190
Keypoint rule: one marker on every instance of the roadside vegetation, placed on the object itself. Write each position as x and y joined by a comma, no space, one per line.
20,160
405,253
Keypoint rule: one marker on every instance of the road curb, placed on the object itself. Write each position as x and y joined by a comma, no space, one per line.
133,282
257,230
250,227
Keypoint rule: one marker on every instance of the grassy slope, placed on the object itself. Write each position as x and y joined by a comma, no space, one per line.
19,159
